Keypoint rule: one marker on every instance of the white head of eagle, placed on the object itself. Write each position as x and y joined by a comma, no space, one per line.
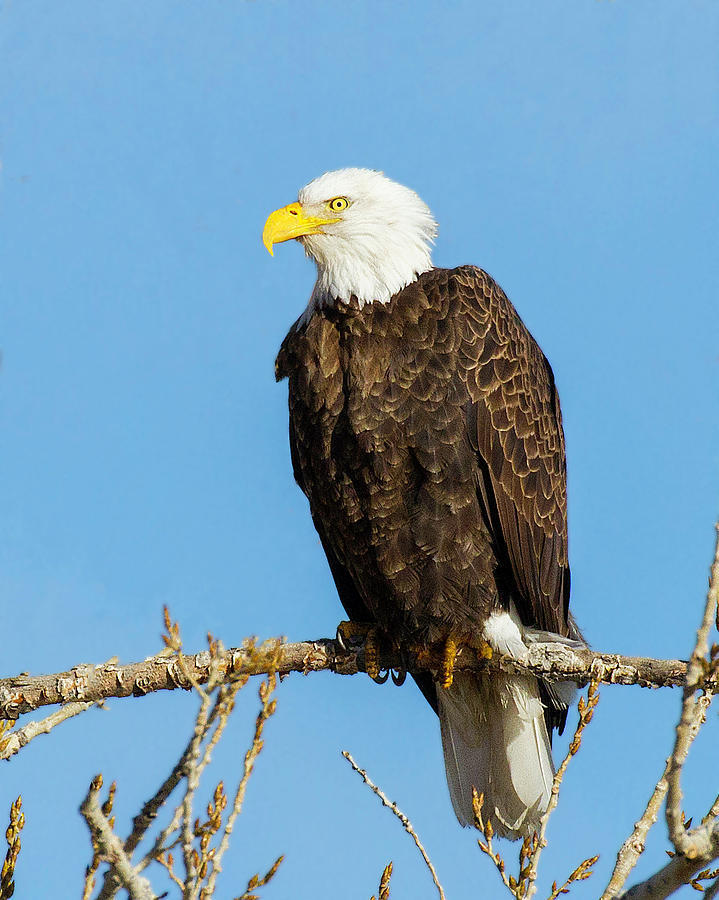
369,236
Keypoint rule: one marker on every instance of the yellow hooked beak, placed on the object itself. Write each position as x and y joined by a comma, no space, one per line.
291,222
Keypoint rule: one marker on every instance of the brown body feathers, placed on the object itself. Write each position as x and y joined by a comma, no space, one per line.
426,433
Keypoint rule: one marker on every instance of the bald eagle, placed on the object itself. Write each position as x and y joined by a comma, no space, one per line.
426,432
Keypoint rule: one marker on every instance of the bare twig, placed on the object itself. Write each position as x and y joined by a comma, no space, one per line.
109,846
408,827
524,885
487,847
383,892
218,719
91,870
633,847
697,669
12,836
256,882
713,812
187,764
581,873
193,836
680,870
694,848
192,779
586,712
267,710
552,660
14,741
167,862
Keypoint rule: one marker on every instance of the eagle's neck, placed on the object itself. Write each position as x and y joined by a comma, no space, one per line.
370,268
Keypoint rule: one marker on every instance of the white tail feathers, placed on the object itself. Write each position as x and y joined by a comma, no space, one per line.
495,740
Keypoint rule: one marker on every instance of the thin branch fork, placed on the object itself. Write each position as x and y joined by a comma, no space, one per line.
680,869
109,845
92,683
406,824
697,668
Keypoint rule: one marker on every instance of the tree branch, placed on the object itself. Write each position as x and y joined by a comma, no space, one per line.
695,679
13,742
586,712
680,869
109,846
407,825
92,683
634,846
696,847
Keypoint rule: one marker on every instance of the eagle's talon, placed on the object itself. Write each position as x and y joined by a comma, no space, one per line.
399,678
353,632
349,632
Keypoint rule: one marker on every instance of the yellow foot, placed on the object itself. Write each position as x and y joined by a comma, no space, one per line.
449,654
348,632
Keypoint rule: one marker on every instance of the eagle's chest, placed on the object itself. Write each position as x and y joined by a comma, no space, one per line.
380,448
380,431
345,400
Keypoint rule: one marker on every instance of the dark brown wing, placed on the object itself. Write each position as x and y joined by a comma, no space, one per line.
517,422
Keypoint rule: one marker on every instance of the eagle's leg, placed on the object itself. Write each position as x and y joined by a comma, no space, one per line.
371,656
418,657
449,654
422,654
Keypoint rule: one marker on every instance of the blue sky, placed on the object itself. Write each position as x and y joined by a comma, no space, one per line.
569,149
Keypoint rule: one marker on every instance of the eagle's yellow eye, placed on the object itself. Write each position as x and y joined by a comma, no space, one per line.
338,204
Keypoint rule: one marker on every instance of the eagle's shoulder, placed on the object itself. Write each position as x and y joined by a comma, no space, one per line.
508,356
286,359
465,292
310,357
